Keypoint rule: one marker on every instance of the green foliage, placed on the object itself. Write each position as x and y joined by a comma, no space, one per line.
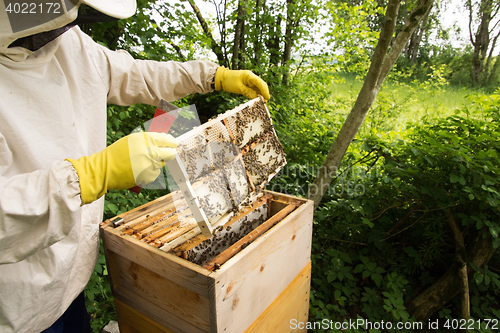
350,36
374,250
455,61
395,233
98,298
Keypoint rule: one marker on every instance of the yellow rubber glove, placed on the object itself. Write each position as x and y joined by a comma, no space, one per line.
241,82
133,160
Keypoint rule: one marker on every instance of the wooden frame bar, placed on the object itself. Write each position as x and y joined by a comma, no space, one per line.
253,235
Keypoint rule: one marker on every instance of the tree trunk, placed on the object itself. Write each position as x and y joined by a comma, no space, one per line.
493,72
448,286
237,34
273,43
382,63
290,13
257,48
416,38
480,41
399,43
214,45
461,257
241,60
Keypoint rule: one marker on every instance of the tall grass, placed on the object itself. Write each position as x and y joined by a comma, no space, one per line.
399,103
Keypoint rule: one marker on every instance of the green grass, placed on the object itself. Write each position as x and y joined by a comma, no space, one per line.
398,103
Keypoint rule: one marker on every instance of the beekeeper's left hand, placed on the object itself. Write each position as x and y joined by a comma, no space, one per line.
241,82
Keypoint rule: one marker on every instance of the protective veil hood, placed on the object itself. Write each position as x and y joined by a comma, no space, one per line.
19,19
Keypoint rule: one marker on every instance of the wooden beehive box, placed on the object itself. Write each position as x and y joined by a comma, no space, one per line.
262,288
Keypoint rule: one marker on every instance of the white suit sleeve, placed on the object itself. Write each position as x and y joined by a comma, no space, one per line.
132,81
37,209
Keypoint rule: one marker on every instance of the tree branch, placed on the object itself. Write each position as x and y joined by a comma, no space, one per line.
214,45
471,36
401,221
237,34
360,109
434,298
174,46
403,37
349,242
490,56
461,255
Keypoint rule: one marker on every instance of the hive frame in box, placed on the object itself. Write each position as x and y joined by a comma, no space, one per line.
227,127
181,178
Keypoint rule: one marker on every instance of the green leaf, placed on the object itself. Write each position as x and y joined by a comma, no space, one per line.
492,201
496,243
89,295
457,178
494,232
377,278
462,169
479,224
346,257
454,178
478,277
486,279
112,207
474,267
368,222
359,268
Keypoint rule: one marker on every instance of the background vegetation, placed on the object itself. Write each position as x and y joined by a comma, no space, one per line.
422,171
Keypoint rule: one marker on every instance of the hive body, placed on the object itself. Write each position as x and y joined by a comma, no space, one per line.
251,275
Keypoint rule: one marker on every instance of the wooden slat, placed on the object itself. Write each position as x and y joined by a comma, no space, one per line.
132,321
189,225
247,210
151,216
165,229
140,224
177,217
167,265
195,241
141,211
176,304
168,246
250,237
250,281
155,313
291,304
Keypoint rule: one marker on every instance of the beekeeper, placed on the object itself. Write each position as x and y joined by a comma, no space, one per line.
55,167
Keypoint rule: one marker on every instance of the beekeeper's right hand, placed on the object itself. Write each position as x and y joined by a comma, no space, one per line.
133,160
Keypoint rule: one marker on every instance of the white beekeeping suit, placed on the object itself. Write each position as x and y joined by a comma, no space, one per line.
53,107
